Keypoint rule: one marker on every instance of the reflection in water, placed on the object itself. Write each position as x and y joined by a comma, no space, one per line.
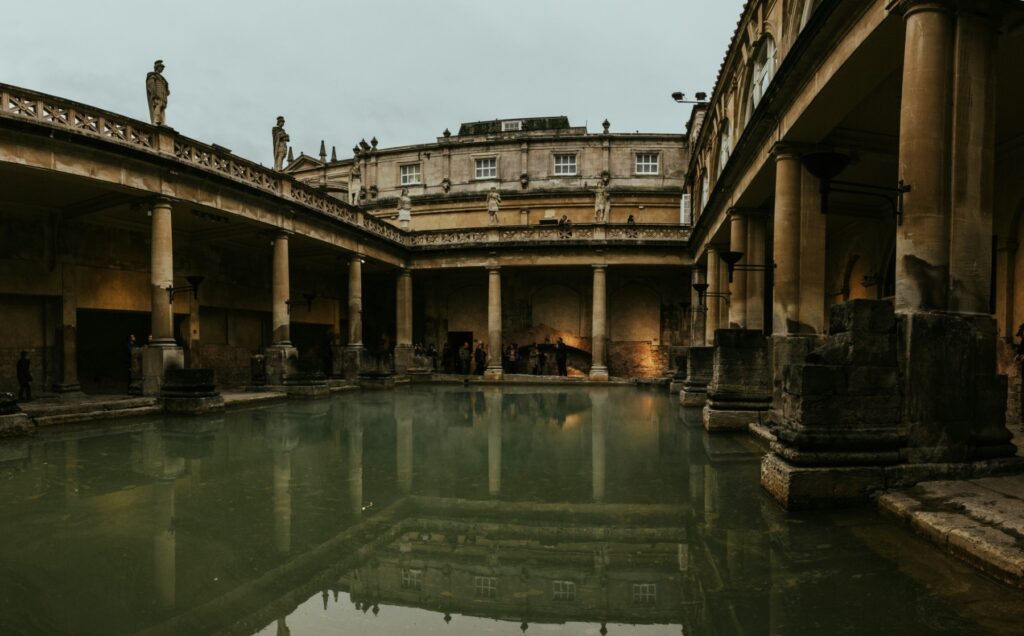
466,511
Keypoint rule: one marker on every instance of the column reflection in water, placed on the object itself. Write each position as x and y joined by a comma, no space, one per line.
355,463
403,443
164,537
71,468
282,438
599,405
493,414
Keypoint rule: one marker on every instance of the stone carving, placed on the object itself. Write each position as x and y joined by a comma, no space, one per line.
157,91
446,184
281,140
493,205
602,203
404,209
355,182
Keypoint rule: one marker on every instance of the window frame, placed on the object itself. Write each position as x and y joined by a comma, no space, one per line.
637,163
419,173
563,591
514,125
724,146
485,587
555,156
645,594
476,168
762,72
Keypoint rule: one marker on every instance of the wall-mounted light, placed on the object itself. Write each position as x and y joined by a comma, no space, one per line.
826,165
733,258
193,286
703,293
702,98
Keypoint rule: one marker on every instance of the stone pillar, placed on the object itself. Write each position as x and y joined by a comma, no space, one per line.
755,256
738,287
922,241
599,405
740,388
493,403
786,289
599,332
281,356
699,364
195,360
812,256
493,370
162,353
712,298
403,321
973,163
698,311
69,331
355,350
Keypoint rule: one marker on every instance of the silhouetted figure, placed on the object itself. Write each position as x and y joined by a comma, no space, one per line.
480,358
24,378
534,359
630,220
561,357
465,355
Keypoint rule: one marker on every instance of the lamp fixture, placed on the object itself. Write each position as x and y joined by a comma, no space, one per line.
703,293
826,166
702,98
193,286
733,258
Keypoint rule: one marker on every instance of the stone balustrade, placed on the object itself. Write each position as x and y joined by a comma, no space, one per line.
19,104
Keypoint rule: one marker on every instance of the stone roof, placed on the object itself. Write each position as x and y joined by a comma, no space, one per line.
529,124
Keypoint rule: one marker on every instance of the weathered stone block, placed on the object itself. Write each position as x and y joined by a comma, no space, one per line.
699,367
156,360
190,392
862,316
281,361
800,487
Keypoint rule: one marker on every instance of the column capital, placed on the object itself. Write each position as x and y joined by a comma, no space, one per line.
357,257
493,269
787,150
161,201
736,212
404,272
600,266
907,8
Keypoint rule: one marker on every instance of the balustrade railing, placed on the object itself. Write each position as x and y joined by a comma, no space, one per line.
604,233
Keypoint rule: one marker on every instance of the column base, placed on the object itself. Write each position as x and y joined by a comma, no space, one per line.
599,374
15,425
282,361
352,360
726,417
693,395
403,358
494,373
60,387
156,360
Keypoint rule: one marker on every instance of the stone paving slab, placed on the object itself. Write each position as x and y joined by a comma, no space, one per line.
980,521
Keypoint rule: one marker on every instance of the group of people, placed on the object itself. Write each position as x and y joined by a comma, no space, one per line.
472,359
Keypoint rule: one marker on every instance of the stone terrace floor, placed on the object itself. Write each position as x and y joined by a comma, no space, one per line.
979,520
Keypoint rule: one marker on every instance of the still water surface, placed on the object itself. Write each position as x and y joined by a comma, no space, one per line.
450,510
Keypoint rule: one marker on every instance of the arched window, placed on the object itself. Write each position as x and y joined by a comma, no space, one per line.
705,187
724,145
762,73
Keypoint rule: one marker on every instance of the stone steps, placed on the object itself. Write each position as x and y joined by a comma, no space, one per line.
980,521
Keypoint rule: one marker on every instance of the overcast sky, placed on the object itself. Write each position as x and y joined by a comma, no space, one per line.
402,70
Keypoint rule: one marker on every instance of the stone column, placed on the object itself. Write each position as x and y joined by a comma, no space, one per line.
69,331
162,353
973,163
786,302
812,256
354,351
493,370
599,332
281,356
195,360
698,311
755,256
712,298
738,287
281,285
403,321
922,241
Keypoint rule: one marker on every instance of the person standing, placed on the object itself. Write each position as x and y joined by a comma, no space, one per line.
533,360
157,92
561,358
464,356
480,358
24,378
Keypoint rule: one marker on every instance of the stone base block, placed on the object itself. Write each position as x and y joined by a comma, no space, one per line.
15,425
599,374
493,373
403,358
193,405
693,395
376,382
155,362
281,361
353,359
800,487
724,419
675,387
308,391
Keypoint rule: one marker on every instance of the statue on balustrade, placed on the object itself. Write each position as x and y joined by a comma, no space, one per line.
281,140
355,182
602,203
493,205
157,91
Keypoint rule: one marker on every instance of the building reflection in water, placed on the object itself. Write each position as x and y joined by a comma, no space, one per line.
460,502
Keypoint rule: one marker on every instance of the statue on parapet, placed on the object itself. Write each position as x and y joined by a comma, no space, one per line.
281,140
493,205
404,209
602,203
157,91
355,182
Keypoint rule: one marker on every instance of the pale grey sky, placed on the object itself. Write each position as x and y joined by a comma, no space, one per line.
402,70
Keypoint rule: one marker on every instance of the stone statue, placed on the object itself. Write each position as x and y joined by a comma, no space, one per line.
157,91
493,205
355,182
281,140
602,203
404,209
